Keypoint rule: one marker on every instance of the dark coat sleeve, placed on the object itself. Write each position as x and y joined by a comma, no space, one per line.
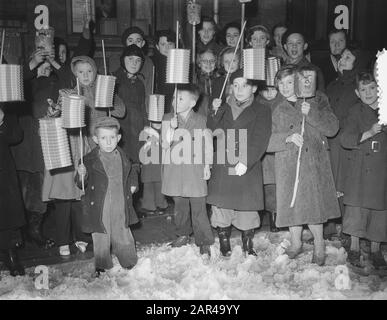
10,130
133,176
351,135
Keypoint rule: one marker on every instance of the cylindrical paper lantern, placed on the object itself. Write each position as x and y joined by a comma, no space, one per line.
11,83
73,111
193,13
156,107
305,86
273,64
254,64
104,91
178,62
44,38
55,144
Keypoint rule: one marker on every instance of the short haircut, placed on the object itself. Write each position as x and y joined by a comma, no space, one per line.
110,127
279,25
193,89
207,19
365,78
289,32
169,34
225,51
261,28
233,24
334,31
286,70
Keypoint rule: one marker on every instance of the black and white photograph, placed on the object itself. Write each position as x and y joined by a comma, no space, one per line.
195,152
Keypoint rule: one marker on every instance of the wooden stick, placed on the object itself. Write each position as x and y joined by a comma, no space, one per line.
2,46
298,166
175,111
81,149
153,79
233,57
242,20
177,34
104,57
78,88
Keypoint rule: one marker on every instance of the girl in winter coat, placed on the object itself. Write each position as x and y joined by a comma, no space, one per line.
365,192
316,200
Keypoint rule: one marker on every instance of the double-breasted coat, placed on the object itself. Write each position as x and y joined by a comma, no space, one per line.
96,185
243,193
11,202
316,200
366,184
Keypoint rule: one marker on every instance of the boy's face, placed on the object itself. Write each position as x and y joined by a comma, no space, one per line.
133,64
227,61
337,43
259,39
164,46
286,86
242,90
185,101
136,39
295,46
232,35
278,33
368,93
62,53
207,62
269,94
207,32
84,72
107,139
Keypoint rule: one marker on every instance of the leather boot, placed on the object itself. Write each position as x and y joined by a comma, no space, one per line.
224,240
35,230
247,242
273,217
13,263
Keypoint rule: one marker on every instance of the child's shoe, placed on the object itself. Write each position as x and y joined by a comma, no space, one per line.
293,253
247,242
81,245
64,250
98,272
354,258
378,261
205,249
180,241
319,255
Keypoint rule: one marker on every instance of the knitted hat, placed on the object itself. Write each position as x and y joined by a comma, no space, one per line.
104,122
236,74
130,31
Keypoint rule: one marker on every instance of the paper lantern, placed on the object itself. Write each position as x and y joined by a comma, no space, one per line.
55,144
193,13
254,64
273,64
73,111
305,84
156,107
178,62
44,38
381,79
104,91
11,83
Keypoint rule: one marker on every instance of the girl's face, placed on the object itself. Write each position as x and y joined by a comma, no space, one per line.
286,86
269,94
207,32
207,62
278,33
62,53
132,64
242,90
232,35
259,39
84,72
368,93
164,46
228,61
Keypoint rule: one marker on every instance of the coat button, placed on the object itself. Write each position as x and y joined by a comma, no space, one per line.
92,203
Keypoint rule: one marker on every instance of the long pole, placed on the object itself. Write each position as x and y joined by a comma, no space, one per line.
2,46
81,152
242,21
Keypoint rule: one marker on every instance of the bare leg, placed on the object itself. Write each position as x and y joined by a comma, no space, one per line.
296,247
319,245
375,246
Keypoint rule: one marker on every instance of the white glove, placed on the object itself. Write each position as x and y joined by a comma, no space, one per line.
240,169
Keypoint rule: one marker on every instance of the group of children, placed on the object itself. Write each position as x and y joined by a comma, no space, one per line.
265,121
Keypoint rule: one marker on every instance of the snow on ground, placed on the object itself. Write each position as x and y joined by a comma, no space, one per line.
163,272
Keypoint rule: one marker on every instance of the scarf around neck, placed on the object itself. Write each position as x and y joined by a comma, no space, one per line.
237,107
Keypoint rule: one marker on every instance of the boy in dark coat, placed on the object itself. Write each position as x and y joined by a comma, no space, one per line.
365,193
108,212
11,202
235,189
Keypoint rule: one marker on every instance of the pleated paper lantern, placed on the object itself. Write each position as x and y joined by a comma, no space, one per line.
178,62
381,79
254,64
44,38
156,107
55,144
193,13
11,83
73,111
104,91
305,86
273,64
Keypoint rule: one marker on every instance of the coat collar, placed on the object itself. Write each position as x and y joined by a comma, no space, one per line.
246,116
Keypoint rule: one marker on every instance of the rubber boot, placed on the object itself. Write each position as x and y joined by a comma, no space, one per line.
13,263
273,217
247,242
224,240
35,230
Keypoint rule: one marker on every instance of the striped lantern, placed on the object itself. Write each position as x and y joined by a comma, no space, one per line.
156,107
178,62
11,83
73,111
193,13
104,91
254,64
273,64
